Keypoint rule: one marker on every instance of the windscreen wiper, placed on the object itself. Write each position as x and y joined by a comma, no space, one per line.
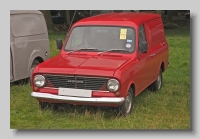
82,49
114,50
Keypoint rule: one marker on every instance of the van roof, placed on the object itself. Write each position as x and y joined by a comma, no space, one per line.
12,12
135,17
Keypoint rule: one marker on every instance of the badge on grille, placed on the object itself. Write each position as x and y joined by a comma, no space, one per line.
74,81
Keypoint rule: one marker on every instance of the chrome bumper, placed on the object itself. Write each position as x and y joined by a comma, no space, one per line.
104,100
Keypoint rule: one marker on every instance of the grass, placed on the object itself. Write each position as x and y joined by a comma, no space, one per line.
167,109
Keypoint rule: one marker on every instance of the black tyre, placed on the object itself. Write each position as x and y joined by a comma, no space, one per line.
43,105
34,64
156,85
126,108
46,105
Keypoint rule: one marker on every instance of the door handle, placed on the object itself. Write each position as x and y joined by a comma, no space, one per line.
163,43
152,55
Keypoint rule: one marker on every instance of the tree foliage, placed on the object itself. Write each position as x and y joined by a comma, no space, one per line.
48,18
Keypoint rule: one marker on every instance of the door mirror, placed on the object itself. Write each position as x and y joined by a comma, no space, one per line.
59,43
143,47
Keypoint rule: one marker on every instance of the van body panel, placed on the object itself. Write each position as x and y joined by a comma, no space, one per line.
157,44
14,12
28,40
24,53
11,68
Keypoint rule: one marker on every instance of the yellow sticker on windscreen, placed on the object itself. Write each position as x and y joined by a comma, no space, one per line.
123,34
122,37
123,31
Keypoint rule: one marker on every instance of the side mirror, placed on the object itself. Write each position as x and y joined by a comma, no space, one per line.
59,43
143,47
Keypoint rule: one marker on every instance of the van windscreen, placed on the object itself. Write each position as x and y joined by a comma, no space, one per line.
102,38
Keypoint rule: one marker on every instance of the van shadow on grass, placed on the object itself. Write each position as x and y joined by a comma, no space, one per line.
88,110
20,82
103,112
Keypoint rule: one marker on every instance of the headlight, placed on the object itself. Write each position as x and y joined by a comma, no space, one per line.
113,85
39,81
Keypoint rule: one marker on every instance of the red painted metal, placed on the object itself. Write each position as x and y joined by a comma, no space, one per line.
136,69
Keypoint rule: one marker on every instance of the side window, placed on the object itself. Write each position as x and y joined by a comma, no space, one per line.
141,36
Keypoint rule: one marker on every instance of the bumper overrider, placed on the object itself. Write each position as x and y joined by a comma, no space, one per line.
95,100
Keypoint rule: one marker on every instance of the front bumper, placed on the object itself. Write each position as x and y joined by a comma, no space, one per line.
103,100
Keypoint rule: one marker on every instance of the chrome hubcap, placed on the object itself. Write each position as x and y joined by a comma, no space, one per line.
159,81
128,103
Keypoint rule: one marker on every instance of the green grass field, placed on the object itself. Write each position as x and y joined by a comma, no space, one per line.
167,109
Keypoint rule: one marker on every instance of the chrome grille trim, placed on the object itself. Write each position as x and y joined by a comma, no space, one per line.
57,88
79,82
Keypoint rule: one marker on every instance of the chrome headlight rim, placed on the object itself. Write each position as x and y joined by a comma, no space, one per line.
44,79
115,80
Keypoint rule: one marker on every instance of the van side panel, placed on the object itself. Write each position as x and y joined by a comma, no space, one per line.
27,25
11,59
23,53
29,40
158,45
155,31
11,68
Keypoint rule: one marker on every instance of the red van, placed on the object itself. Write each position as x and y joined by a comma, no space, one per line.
106,60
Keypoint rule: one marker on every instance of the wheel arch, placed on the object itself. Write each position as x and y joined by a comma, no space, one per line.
162,66
132,86
38,58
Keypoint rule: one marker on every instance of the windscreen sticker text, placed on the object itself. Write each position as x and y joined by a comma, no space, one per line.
129,40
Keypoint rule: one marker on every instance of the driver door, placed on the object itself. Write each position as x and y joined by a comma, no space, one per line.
144,65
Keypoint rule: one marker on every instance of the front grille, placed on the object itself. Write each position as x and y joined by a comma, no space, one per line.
79,82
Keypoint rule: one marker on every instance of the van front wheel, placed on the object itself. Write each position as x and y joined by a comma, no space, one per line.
46,105
126,108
